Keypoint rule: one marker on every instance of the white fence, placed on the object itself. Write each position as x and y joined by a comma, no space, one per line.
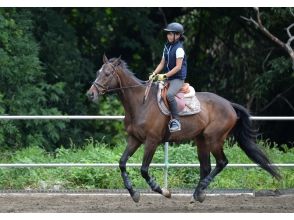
164,165
118,117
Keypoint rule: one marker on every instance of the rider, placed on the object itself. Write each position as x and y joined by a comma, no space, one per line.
175,69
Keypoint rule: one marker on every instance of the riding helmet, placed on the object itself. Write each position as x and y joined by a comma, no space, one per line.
174,27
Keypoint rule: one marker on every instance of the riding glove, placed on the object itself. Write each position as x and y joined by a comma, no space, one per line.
152,76
161,77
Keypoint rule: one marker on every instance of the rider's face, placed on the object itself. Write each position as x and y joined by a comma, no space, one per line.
171,38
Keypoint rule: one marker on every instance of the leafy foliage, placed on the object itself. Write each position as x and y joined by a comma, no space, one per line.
23,89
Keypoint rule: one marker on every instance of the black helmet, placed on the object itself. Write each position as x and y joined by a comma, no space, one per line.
174,27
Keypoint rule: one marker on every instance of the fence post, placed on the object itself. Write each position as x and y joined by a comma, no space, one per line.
165,164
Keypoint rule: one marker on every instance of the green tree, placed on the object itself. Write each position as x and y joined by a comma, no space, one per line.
23,90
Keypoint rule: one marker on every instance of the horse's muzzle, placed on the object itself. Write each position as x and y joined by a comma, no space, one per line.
92,96
93,93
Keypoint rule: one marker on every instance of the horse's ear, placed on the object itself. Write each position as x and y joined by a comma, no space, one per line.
105,59
117,61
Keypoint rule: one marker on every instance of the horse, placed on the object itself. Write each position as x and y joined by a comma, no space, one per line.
145,124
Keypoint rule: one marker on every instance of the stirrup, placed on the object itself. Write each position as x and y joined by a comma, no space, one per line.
174,125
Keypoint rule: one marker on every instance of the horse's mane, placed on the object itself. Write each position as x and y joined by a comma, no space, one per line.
124,66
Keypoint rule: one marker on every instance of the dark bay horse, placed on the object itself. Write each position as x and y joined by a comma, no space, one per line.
145,124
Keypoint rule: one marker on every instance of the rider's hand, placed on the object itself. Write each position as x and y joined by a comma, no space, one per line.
152,76
161,77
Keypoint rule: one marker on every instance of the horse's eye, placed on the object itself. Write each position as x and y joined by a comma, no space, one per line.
107,73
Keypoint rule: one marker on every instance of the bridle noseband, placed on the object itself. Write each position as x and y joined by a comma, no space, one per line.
104,88
97,86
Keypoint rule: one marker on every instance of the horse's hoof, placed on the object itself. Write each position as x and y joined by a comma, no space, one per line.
192,200
136,197
166,193
200,196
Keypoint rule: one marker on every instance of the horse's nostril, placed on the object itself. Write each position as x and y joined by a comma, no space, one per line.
90,95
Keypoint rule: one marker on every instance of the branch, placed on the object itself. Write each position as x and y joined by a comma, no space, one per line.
288,30
286,46
291,37
250,20
280,95
292,13
266,59
163,16
286,100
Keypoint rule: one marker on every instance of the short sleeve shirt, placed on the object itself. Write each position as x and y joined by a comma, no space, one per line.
180,53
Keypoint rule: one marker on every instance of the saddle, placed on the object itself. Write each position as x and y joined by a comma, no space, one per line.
188,104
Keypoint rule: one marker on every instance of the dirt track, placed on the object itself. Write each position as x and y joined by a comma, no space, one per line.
57,203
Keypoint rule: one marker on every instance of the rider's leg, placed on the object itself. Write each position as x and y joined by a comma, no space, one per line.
174,87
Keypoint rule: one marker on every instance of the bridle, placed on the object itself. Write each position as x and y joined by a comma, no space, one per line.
102,89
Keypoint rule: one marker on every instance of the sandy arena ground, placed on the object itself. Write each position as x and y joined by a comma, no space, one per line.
103,203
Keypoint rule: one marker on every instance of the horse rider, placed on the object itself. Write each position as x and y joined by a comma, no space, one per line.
174,63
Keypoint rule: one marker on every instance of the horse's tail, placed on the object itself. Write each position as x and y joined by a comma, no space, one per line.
245,137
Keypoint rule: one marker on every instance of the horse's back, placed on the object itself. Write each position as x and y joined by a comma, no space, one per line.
208,98
217,108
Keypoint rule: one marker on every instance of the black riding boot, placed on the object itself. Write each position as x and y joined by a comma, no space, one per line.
174,124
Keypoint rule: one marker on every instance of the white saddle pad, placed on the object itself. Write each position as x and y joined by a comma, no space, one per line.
192,103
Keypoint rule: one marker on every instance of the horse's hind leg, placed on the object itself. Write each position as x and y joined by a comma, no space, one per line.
205,165
132,146
221,162
150,148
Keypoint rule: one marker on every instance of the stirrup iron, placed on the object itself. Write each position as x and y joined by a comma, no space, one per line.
174,125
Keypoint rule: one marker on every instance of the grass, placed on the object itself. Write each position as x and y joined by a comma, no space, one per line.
109,178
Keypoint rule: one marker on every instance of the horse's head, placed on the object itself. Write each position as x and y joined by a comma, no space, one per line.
106,78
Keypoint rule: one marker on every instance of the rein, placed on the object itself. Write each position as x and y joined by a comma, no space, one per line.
120,88
106,90
125,87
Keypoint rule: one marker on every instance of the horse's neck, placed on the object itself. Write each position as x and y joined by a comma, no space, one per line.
132,95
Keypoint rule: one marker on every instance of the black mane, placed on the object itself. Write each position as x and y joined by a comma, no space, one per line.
124,66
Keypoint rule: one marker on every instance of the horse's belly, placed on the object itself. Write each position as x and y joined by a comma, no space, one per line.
191,126
182,136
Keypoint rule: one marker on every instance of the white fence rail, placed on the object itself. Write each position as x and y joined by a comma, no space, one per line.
272,118
164,165
118,117
116,165
60,117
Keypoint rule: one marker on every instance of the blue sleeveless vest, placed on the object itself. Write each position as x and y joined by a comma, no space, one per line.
169,53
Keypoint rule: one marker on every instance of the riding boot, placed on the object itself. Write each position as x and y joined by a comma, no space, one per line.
174,124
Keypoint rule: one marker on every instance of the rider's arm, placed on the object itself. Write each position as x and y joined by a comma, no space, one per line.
159,67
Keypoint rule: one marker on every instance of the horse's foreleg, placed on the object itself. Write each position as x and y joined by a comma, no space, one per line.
132,146
150,149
